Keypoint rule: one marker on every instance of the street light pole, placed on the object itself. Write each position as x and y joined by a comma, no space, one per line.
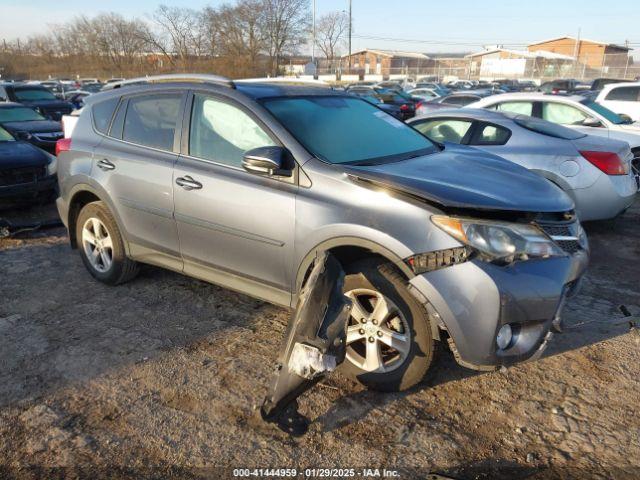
350,36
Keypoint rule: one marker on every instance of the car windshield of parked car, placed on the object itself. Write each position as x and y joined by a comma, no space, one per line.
29,94
545,128
348,130
604,111
5,136
19,114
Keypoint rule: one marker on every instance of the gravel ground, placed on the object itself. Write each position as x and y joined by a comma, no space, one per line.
160,377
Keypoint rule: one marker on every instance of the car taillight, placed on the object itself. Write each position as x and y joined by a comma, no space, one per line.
404,107
609,162
63,145
418,105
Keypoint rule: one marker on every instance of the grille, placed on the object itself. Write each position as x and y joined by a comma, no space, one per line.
17,176
559,230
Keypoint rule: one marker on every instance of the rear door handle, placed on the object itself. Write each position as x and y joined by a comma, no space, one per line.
105,165
188,183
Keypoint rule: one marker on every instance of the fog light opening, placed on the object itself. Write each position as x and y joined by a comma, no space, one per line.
504,337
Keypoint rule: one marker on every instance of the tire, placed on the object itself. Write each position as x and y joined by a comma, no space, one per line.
100,224
404,367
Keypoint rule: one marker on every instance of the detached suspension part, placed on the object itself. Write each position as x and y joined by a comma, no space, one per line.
314,344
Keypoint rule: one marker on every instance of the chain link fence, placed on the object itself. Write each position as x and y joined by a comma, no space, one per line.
538,68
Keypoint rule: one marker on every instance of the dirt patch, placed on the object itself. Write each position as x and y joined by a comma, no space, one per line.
160,378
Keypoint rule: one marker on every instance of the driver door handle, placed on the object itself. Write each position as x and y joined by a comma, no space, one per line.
188,183
105,165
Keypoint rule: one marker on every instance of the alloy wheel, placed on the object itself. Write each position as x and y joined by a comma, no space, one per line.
378,335
97,244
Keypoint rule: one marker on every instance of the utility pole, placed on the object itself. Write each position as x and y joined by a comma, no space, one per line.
576,53
350,22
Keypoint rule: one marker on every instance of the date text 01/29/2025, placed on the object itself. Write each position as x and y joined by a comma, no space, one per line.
316,472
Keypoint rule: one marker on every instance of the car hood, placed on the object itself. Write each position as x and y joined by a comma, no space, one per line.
34,126
21,154
630,127
463,177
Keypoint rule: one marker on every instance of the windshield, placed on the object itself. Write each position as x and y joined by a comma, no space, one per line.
545,128
348,130
29,94
604,111
5,136
19,114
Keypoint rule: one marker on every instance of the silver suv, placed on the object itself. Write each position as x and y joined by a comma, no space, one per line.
242,184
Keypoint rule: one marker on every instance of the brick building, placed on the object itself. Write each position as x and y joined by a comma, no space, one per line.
385,62
591,53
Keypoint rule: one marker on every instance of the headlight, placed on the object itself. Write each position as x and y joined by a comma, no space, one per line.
499,241
52,167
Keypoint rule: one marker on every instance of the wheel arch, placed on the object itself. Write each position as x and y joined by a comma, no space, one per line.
349,250
81,195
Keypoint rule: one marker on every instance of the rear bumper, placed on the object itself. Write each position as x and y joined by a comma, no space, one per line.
605,199
31,190
473,300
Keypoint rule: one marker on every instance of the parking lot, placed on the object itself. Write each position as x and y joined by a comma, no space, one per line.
161,376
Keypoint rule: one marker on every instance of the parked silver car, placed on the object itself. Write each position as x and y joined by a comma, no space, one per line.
596,172
243,184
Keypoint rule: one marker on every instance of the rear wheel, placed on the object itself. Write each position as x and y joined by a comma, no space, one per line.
101,245
389,341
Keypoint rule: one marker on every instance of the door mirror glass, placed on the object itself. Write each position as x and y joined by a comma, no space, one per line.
270,160
591,122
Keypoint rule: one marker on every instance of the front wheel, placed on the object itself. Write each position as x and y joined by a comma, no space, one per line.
389,341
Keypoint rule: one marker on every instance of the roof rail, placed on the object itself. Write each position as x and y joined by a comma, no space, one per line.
290,80
173,77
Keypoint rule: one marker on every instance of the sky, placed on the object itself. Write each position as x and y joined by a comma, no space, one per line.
427,26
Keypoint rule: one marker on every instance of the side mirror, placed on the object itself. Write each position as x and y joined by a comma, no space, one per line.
625,118
591,122
272,160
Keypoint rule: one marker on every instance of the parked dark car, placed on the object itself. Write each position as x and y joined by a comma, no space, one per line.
406,103
27,173
28,125
391,109
600,83
563,86
36,97
456,99
94,87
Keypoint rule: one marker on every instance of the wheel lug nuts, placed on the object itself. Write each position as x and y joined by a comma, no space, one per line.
374,321
363,320
361,331
371,339
379,333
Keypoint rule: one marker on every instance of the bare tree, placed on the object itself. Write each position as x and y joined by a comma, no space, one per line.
330,32
178,34
286,24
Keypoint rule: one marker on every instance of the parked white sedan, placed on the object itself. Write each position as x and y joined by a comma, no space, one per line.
622,98
575,111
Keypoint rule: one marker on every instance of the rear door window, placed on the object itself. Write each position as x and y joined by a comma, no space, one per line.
522,108
447,130
102,113
562,114
151,120
488,134
624,94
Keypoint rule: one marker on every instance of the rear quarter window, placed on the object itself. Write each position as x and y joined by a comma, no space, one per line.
102,113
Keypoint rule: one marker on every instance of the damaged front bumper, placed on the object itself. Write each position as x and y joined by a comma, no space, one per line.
473,300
